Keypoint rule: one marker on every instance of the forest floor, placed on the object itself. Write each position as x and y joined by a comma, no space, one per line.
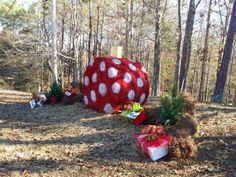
70,140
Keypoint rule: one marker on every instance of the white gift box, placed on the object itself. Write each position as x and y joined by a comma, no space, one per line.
156,153
155,149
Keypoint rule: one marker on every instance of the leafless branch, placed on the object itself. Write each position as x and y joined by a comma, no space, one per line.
199,1
66,57
10,8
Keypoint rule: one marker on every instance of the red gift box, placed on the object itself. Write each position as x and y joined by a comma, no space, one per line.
141,118
154,149
53,100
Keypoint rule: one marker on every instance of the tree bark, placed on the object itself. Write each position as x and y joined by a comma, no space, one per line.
45,31
224,68
54,41
206,93
204,58
224,32
90,30
126,48
229,81
177,65
186,48
156,64
101,33
131,28
95,51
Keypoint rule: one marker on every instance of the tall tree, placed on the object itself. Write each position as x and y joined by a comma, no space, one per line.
90,30
96,39
131,28
224,68
54,41
224,26
127,28
156,64
187,44
177,65
204,57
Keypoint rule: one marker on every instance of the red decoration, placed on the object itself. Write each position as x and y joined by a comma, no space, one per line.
155,149
154,141
53,100
141,118
110,82
150,129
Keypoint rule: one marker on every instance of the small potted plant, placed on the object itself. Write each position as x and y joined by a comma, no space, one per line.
55,92
172,107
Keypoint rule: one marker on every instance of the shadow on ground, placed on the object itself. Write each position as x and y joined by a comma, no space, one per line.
108,139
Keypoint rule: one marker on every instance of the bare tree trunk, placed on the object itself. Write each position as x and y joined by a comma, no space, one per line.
186,48
178,44
95,48
195,75
230,74
131,28
224,32
63,28
140,36
54,41
206,94
204,58
156,65
42,72
126,49
61,66
76,71
224,68
148,60
90,30
45,31
196,66
101,33
81,56
81,43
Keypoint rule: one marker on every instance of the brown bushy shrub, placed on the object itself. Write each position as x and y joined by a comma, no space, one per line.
189,103
186,126
183,148
151,111
183,145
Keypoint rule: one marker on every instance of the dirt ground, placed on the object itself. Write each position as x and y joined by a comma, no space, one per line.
70,140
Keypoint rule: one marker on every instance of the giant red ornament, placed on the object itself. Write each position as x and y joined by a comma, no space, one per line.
110,82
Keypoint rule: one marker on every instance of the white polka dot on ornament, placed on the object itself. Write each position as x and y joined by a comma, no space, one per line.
93,95
116,61
108,108
103,66
131,95
102,89
86,100
112,72
132,67
142,98
127,77
94,77
116,87
131,60
86,80
140,82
